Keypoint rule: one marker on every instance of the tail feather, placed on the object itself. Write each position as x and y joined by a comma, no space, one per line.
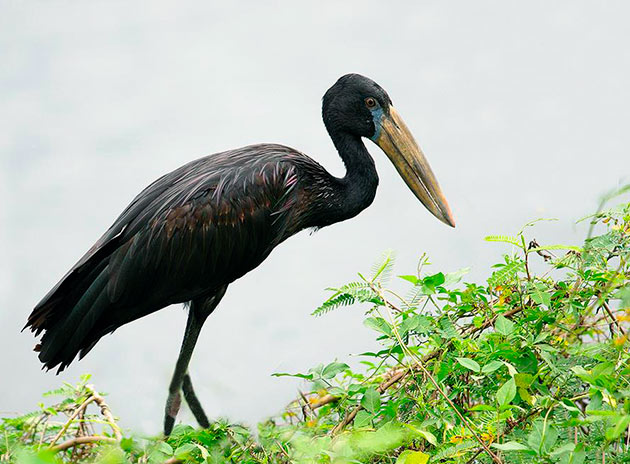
56,304
63,340
69,313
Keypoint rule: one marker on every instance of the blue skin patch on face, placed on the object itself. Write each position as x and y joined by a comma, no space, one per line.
377,116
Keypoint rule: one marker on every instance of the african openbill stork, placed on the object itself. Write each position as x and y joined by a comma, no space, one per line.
192,232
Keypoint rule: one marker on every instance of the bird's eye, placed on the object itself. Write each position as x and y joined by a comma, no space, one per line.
370,102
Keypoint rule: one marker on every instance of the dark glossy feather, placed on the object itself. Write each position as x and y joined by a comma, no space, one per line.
186,235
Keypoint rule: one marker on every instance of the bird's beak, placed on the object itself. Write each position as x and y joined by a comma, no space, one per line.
396,141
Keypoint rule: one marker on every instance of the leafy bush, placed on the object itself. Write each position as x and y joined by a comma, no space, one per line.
531,367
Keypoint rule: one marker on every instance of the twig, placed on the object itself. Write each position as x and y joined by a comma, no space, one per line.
173,461
613,318
472,329
105,411
43,434
507,430
82,441
306,406
69,421
397,374
401,374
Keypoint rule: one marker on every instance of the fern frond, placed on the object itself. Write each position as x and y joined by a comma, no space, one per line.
504,239
555,247
336,301
506,273
450,451
66,390
414,297
352,286
382,269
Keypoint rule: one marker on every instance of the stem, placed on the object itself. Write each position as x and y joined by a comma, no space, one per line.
420,364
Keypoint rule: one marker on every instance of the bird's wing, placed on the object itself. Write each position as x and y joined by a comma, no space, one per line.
208,228
193,230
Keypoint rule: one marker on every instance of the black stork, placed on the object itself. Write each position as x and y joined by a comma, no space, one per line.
193,231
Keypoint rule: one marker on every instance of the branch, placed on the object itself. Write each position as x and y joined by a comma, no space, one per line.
507,430
69,421
396,374
173,461
613,318
82,441
105,411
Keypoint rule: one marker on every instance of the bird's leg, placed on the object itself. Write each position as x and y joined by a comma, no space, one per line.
174,400
193,402
197,314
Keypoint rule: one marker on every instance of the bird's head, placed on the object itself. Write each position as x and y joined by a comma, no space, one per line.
359,106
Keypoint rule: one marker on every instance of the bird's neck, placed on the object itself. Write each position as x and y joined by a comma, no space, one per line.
356,190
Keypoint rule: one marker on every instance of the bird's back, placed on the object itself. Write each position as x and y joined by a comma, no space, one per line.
187,234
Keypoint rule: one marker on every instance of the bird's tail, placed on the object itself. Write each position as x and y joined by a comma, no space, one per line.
68,315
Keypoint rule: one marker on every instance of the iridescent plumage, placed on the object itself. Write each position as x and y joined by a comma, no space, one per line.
192,232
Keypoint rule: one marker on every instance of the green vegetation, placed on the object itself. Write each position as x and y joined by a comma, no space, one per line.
530,367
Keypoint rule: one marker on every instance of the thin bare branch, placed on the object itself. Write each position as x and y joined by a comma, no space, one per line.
82,441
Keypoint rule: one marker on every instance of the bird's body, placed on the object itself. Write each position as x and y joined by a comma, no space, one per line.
189,233
192,232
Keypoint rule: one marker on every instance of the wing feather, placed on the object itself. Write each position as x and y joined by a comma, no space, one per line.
187,234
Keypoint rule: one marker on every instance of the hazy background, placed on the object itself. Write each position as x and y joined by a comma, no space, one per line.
521,107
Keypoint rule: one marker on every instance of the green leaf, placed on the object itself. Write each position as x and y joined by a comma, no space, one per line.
469,364
410,278
298,375
448,328
407,325
412,457
555,247
482,407
363,419
503,239
511,369
624,295
491,367
523,380
423,324
562,449
428,436
569,405
453,278
126,444
542,437
371,400
338,300
506,273
184,450
541,296
204,452
430,282
511,446
506,393
525,395
165,448
503,325
24,456
382,269
576,456
379,324
620,427
332,369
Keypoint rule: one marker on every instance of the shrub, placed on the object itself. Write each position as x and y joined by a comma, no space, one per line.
530,367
